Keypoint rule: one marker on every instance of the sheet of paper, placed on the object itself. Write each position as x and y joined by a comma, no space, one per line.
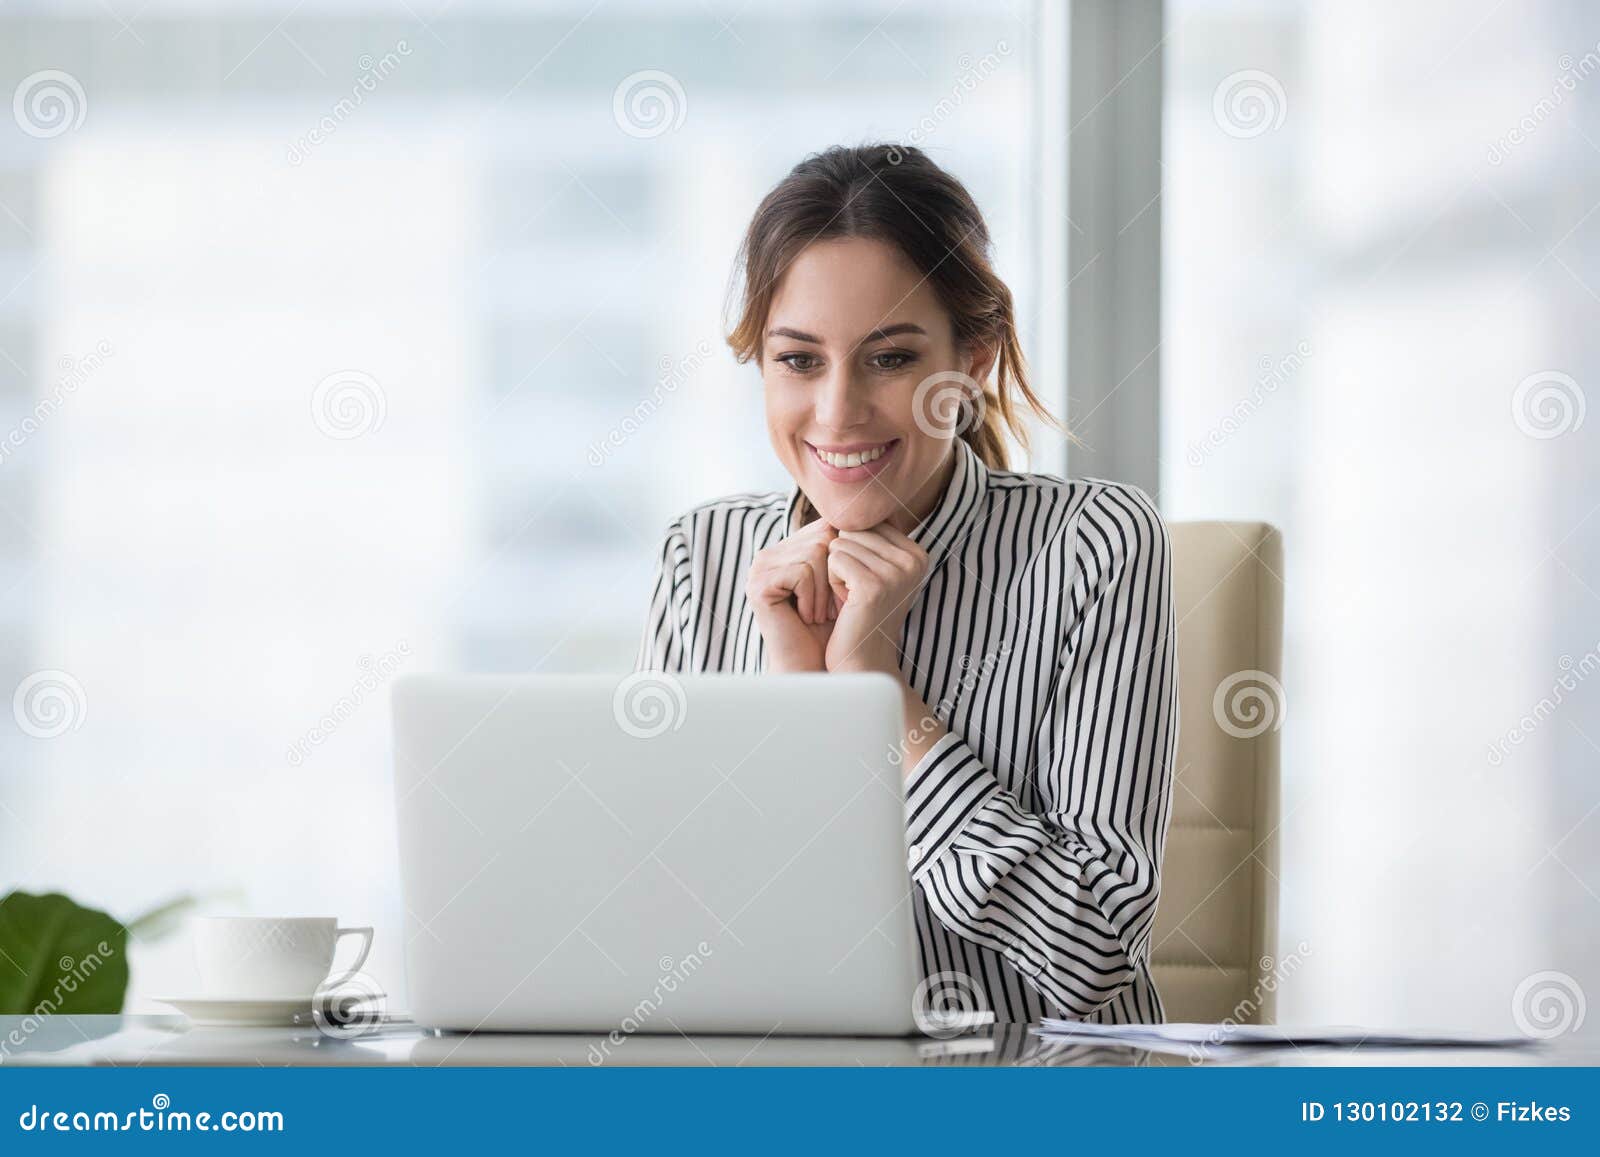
1212,1035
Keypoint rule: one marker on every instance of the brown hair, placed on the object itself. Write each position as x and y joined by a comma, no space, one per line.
896,194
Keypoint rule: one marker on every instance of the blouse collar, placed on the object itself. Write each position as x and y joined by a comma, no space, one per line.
951,518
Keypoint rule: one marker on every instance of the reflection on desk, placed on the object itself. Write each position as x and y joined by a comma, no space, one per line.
171,1040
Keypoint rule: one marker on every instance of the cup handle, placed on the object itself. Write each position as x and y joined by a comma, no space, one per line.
361,957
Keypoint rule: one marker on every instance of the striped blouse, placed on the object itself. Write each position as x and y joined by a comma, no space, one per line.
1043,637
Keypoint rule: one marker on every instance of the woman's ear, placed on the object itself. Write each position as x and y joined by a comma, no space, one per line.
980,360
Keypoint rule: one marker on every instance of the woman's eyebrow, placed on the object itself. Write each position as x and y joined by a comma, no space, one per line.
891,330
875,335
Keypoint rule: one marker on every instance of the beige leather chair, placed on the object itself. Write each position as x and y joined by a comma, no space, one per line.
1215,941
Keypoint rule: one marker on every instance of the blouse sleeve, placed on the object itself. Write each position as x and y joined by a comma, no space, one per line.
1068,893
663,646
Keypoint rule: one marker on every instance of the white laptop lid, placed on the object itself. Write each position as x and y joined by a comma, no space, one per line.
654,854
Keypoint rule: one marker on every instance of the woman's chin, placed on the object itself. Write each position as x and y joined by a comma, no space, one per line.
851,522
860,513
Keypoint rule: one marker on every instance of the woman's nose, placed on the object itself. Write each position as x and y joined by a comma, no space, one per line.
841,401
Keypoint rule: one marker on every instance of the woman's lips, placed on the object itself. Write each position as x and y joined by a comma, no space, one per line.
860,472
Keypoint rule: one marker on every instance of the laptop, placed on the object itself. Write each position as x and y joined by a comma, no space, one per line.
655,854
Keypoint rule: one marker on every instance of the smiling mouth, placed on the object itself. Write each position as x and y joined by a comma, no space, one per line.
854,462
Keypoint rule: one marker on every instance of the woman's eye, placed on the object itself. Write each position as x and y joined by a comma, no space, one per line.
892,360
798,362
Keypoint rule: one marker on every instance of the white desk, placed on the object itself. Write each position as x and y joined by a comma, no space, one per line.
170,1040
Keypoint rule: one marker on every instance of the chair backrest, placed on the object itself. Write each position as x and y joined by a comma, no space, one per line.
1215,942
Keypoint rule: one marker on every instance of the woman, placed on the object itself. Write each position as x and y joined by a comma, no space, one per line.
1028,619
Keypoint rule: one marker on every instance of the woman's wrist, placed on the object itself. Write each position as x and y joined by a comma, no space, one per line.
922,727
923,730
782,664
877,654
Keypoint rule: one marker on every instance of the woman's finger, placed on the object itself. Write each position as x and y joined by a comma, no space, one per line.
817,562
851,572
777,584
882,547
804,596
899,537
875,563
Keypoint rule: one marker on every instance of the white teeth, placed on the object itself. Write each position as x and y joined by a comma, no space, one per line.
845,461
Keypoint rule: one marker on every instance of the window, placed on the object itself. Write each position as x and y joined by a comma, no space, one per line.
1379,268
383,344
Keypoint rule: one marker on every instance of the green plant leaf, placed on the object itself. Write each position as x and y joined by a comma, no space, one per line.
162,920
58,957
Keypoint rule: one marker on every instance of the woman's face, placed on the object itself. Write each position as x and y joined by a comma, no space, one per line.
852,332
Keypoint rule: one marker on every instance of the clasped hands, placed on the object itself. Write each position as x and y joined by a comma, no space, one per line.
835,600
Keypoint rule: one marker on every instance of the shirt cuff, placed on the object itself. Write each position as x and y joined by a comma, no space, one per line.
946,789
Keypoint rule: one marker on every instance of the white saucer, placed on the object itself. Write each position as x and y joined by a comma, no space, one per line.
242,1012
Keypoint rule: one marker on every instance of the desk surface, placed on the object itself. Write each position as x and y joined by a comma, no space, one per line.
171,1040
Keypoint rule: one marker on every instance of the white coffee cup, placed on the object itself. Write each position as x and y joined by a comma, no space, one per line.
268,957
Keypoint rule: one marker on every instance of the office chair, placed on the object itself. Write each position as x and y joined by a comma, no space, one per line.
1214,947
